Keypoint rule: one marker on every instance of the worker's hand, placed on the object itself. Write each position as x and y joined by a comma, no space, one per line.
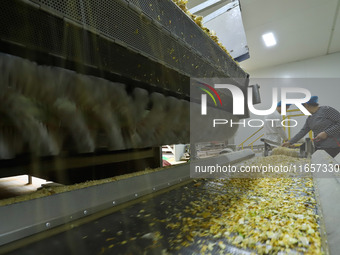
321,136
286,144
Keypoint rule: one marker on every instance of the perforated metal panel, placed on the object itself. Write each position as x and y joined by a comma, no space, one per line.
172,18
151,41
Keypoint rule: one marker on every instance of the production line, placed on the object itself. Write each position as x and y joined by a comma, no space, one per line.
89,93
216,216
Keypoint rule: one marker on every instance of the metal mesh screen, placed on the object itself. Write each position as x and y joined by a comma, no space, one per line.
157,29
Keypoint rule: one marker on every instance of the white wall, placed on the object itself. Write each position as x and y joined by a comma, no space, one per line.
321,76
321,67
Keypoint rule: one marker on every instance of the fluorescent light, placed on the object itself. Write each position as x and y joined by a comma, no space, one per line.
269,39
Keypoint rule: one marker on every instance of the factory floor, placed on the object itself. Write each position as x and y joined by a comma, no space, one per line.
19,185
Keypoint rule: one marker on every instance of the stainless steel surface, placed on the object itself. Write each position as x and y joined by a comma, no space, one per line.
256,93
328,197
227,23
32,216
36,215
220,11
204,5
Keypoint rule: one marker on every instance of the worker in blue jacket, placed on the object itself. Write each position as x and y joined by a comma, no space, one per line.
325,124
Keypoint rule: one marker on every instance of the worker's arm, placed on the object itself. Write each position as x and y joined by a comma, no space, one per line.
333,115
304,131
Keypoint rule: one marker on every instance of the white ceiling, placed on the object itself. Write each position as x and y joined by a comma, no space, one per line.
303,29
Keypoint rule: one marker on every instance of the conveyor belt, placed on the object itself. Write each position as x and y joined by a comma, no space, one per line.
149,227
152,44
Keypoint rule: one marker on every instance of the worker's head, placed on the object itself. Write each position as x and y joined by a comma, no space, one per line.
312,104
279,105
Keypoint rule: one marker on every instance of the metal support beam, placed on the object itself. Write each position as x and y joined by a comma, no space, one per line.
203,6
220,11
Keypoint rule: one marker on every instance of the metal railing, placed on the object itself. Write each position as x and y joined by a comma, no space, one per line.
252,143
288,124
242,144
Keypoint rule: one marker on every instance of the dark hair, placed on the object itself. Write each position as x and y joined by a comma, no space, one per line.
313,104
